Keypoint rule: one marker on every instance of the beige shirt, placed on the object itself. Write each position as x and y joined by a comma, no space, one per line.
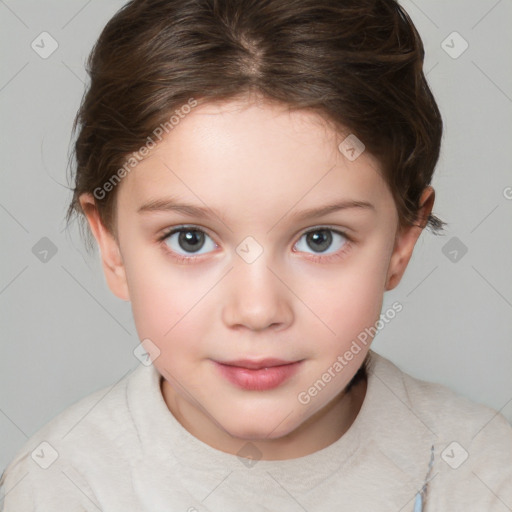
120,449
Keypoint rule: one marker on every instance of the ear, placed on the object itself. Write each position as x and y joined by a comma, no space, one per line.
406,240
111,257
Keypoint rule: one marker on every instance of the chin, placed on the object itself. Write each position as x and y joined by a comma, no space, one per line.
264,428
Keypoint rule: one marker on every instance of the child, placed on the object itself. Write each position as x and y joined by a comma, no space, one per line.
256,174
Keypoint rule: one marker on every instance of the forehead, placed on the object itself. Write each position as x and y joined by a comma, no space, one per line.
243,152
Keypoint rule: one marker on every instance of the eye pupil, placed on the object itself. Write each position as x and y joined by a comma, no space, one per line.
320,242
191,240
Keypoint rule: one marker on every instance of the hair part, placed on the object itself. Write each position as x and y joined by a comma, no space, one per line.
357,63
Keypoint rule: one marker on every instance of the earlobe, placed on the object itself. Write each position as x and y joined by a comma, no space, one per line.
111,258
406,239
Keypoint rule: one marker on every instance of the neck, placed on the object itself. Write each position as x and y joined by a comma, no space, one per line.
322,429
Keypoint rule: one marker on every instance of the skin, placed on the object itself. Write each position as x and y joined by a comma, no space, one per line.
258,165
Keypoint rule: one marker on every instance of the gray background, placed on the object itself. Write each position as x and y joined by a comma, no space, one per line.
65,335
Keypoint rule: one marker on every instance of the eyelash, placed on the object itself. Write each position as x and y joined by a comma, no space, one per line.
318,259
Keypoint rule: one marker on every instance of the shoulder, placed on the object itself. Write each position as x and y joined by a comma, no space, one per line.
64,451
472,442
446,412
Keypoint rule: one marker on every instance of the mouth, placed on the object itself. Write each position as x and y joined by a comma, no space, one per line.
258,375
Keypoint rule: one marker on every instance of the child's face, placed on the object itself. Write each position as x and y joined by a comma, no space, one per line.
259,167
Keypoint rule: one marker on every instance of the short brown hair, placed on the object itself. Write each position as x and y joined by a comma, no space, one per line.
358,63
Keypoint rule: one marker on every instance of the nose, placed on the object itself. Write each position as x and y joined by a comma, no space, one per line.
256,297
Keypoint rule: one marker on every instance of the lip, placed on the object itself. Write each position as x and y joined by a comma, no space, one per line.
258,375
256,364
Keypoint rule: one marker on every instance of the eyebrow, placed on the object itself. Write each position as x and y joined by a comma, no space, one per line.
170,204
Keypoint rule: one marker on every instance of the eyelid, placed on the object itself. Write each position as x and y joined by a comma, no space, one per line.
319,258
342,231
180,258
181,227
319,227
350,240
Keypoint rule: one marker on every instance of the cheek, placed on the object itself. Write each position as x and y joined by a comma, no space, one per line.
159,296
349,299
170,302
